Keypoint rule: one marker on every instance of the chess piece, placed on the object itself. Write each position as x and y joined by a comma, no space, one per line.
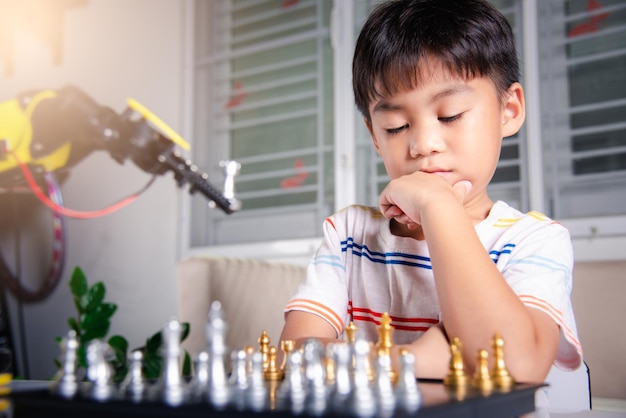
218,378
385,396
174,391
408,396
256,393
273,375
291,395
342,386
385,342
456,376
66,381
329,364
287,346
314,371
264,348
481,379
238,380
501,377
200,381
100,372
135,386
361,400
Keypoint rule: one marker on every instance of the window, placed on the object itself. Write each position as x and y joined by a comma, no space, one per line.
271,89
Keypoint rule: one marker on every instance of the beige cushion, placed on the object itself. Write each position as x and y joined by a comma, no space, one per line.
598,297
252,292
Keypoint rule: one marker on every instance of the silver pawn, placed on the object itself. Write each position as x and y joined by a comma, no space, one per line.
342,354
315,377
238,380
291,393
66,381
256,394
135,386
361,401
200,380
408,396
385,395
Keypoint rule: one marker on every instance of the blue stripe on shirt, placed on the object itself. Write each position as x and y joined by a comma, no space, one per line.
384,258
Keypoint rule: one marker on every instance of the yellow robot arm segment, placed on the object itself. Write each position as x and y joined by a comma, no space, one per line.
158,123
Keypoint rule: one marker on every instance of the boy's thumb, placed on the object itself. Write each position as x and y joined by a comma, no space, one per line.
462,188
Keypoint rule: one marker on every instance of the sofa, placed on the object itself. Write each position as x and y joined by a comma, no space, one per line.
254,291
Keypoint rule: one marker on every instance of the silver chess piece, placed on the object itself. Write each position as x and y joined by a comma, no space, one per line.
238,380
174,391
291,393
408,397
135,386
66,381
200,380
218,377
361,401
256,394
342,387
385,396
315,377
100,372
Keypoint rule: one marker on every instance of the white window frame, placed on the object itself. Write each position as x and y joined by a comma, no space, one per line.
594,238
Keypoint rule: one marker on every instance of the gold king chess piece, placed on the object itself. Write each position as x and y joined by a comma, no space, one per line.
501,377
385,343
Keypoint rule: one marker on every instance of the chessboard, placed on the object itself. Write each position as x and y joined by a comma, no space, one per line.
344,379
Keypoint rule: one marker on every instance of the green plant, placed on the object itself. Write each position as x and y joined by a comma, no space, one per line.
93,322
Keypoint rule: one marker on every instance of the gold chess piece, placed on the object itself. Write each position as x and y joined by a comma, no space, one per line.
264,344
351,333
273,375
456,376
272,372
287,346
501,377
385,342
481,379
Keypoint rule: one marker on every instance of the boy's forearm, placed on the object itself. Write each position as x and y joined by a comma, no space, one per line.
475,299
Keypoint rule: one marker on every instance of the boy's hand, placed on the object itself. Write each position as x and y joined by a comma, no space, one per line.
405,197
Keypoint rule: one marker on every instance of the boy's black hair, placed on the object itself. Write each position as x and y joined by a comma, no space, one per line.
470,38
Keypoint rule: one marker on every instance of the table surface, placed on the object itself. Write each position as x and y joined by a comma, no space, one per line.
34,399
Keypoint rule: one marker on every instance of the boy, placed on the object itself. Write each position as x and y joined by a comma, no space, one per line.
437,84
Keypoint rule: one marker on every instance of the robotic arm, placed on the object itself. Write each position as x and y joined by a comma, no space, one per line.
54,130
46,131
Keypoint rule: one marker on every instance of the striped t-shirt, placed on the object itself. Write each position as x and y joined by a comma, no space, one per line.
361,270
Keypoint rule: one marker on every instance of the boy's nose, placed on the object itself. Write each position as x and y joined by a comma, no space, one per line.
425,143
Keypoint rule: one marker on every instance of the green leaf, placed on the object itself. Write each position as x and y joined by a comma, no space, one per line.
185,333
119,345
98,316
152,365
94,297
99,331
153,344
74,325
78,283
186,365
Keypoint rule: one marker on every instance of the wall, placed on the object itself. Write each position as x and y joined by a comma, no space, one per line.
112,49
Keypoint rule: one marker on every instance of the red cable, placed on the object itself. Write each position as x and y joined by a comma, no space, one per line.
69,212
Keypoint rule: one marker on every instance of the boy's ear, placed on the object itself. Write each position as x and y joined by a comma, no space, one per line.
368,124
514,112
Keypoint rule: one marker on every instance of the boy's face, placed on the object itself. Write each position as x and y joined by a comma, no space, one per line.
447,126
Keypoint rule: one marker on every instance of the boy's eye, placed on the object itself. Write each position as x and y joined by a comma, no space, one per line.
394,131
448,119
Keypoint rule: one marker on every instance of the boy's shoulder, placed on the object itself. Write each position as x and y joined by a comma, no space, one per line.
505,217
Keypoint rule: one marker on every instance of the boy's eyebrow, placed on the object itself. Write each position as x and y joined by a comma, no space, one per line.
386,106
